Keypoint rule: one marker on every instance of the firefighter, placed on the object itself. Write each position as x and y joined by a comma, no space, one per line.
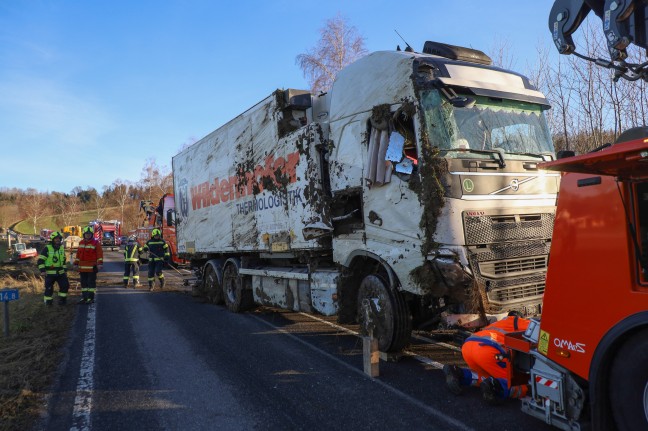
88,261
132,253
52,264
159,254
488,362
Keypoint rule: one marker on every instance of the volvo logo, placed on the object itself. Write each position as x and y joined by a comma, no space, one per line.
515,185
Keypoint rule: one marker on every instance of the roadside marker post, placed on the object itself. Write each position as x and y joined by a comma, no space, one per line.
370,353
7,295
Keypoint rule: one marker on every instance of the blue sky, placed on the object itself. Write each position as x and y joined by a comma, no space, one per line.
90,90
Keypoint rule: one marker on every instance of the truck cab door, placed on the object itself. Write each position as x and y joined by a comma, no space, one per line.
627,161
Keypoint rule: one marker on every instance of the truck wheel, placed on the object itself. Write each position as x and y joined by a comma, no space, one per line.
237,298
211,287
629,384
392,326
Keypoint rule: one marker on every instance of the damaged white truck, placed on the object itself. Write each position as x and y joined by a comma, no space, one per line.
406,195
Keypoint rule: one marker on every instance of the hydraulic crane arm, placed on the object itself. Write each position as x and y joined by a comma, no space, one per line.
625,22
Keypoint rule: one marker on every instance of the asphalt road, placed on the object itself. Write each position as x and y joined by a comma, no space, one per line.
140,360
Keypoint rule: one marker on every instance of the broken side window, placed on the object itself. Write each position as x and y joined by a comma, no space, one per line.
346,211
392,144
404,129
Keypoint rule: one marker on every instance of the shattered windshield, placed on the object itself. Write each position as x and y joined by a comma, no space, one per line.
516,129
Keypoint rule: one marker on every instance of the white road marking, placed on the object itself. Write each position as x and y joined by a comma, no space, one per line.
419,358
438,343
432,411
85,385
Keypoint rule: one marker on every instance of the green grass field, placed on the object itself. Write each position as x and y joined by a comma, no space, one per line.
82,218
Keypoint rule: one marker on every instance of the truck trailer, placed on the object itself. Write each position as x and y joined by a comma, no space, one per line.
408,196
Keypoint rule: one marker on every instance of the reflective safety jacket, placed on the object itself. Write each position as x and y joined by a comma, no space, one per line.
52,260
494,334
132,253
88,255
158,249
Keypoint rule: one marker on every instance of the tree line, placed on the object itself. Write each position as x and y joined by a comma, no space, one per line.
117,201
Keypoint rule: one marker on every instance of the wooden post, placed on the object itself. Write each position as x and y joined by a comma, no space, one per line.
370,353
370,356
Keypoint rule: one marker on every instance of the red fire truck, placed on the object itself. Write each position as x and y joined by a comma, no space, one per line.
161,217
108,233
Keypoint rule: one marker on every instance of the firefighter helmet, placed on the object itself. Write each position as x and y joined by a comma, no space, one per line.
156,232
55,235
87,229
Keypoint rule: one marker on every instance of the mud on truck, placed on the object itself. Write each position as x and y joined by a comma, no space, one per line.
408,196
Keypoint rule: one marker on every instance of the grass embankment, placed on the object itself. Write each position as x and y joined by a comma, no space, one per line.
82,218
48,222
29,358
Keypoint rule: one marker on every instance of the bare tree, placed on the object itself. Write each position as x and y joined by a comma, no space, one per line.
590,108
339,45
99,204
121,195
68,209
4,217
156,180
32,206
500,53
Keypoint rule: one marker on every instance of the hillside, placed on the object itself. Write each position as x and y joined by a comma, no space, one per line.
49,222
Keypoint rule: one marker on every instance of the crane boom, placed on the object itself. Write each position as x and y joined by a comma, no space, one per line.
625,23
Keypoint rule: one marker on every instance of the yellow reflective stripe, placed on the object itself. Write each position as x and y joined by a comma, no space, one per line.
62,294
86,267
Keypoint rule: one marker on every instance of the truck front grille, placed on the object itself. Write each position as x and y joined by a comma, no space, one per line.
504,268
502,293
509,256
491,229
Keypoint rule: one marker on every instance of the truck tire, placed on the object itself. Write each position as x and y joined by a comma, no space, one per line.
237,297
392,326
629,384
212,289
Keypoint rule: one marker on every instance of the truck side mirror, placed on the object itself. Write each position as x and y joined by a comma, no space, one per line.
170,219
565,153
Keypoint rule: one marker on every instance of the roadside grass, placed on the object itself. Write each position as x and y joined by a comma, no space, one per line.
29,358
